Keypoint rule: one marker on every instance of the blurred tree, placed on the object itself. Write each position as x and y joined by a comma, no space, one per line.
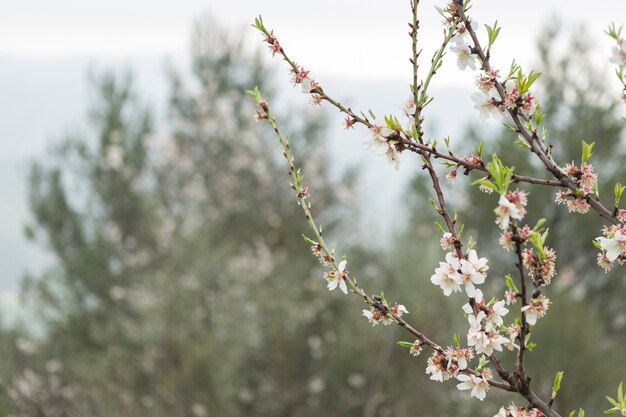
181,283
181,286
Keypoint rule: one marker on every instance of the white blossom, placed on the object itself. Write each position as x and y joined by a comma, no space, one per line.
478,385
506,211
447,275
338,278
486,106
613,246
464,56
473,272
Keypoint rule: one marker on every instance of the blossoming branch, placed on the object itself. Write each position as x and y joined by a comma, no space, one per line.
507,98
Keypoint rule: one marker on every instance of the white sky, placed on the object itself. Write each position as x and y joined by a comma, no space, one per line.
360,38
46,48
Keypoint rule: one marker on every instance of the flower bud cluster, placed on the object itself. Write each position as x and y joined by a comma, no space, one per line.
540,268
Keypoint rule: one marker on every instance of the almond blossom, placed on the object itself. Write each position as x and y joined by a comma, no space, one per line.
613,246
487,106
337,278
510,206
447,241
416,348
447,275
473,271
536,308
464,56
379,143
458,355
478,385
484,340
439,368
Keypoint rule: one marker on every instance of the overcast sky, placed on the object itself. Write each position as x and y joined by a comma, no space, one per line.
46,48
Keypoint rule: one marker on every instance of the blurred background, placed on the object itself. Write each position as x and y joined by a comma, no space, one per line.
151,248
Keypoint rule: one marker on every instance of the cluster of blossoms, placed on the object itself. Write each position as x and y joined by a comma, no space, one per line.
612,245
511,205
381,144
540,268
517,411
483,332
446,364
382,315
487,101
455,273
586,179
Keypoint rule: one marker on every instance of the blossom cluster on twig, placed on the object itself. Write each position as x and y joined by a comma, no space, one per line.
507,98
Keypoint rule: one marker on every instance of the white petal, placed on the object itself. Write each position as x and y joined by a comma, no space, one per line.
342,286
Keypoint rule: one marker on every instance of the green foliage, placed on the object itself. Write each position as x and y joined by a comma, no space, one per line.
619,404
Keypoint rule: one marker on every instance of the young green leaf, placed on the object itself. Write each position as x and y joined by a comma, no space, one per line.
556,386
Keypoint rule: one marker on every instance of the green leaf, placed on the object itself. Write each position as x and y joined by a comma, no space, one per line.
440,227
539,224
522,144
492,33
510,284
556,386
479,149
255,93
457,341
404,344
587,148
618,191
